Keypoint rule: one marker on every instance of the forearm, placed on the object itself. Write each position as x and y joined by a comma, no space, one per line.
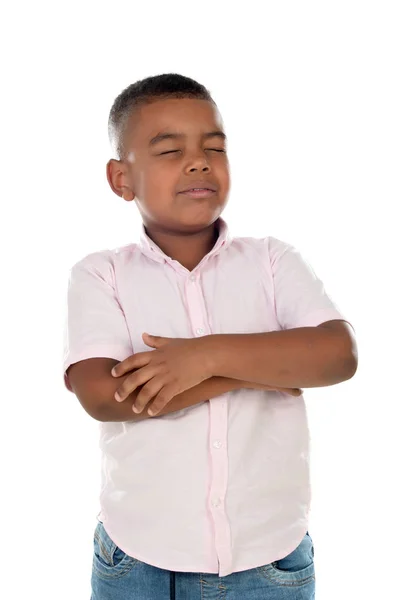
210,388
302,357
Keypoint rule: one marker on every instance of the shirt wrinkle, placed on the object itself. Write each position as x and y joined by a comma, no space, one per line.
222,486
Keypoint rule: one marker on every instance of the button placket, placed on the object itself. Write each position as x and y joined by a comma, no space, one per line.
196,306
218,417
218,488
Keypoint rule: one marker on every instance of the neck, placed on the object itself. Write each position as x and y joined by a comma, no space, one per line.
188,249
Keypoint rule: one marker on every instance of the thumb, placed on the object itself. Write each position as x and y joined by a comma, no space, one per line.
154,341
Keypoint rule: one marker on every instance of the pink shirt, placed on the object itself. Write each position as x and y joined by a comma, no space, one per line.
222,486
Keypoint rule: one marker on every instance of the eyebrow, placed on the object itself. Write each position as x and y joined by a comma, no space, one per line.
176,136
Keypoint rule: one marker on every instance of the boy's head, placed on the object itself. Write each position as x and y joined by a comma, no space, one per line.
168,137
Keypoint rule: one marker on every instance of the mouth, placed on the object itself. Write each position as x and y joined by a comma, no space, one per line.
200,188
199,193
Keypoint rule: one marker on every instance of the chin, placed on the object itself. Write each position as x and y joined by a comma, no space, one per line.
198,224
203,217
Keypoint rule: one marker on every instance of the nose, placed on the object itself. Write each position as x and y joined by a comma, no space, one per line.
198,163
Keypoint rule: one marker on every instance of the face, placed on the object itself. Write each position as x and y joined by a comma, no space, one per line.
172,146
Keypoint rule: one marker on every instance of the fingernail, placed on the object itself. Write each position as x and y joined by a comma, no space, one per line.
136,409
151,412
117,397
113,372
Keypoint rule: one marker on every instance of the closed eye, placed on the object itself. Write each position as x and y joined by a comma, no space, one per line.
212,150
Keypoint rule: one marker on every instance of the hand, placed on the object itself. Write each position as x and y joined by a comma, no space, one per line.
174,366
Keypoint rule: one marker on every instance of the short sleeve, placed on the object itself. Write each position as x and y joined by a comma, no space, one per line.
95,325
300,296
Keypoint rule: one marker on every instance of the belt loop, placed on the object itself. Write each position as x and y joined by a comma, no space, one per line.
172,585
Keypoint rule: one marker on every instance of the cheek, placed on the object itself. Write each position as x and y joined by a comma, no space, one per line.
156,190
223,175
161,180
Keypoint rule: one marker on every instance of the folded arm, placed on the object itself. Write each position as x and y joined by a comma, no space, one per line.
301,357
93,384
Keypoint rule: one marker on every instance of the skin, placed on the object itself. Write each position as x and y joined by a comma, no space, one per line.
184,228
292,358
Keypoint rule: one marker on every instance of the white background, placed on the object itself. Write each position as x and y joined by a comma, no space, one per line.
313,96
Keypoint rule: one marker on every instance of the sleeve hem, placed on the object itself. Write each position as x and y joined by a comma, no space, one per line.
320,316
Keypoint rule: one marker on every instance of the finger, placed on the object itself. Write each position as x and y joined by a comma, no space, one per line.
147,393
163,398
134,381
294,391
291,391
154,341
135,361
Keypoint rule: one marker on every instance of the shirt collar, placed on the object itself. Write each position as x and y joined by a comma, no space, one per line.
150,249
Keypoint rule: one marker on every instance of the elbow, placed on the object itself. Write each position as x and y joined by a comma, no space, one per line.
99,417
351,368
340,368
95,409
346,358
343,361
349,364
102,411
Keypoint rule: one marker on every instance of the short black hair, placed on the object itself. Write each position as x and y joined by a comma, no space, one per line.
146,91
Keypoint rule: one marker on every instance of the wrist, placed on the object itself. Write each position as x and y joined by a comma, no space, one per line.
212,354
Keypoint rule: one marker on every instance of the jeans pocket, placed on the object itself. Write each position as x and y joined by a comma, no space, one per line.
297,568
312,545
108,559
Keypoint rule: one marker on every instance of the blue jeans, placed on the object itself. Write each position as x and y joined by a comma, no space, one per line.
117,576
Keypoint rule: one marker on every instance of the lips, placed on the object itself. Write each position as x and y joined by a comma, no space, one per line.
199,193
197,186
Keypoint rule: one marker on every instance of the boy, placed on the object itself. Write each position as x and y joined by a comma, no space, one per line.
204,439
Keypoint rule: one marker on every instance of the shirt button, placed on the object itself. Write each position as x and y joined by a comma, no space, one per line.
192,278
217,444
199,331
216,502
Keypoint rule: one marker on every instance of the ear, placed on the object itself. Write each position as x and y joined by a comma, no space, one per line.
118,177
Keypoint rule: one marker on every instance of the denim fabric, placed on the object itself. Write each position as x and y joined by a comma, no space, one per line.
117,576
